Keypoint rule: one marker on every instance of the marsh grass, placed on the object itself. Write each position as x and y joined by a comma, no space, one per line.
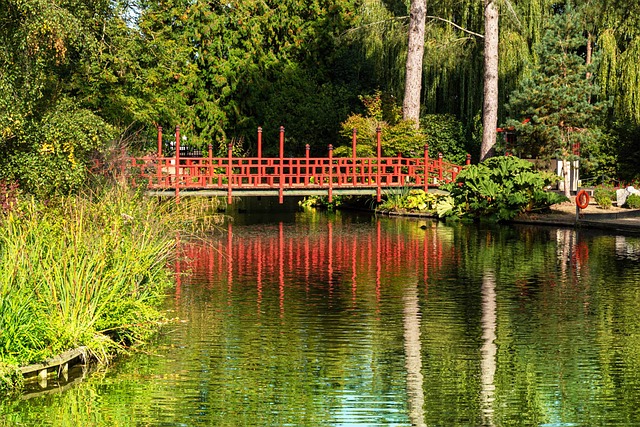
87,270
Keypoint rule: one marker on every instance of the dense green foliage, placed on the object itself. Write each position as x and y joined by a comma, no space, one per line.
84,271
500,188
76,75
445,134
46,130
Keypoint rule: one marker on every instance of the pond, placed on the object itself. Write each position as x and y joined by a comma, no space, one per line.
316,319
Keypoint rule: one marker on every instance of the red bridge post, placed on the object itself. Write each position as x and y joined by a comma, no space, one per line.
159,161
281,183
468,161
354,141
210,168
259,178
440,166
229,173
426,168
379,165
330,173
177,169
307,148
159,141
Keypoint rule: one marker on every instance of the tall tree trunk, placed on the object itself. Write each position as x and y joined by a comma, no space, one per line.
415,53
490,105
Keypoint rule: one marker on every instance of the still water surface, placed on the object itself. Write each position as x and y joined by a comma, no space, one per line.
347,320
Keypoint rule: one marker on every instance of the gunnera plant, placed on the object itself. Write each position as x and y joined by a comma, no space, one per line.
500,189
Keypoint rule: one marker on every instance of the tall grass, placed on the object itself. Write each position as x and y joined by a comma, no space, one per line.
87,270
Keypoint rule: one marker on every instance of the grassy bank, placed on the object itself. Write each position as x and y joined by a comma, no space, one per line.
87,270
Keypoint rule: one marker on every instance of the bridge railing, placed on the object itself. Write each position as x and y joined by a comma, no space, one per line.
274,173
281,173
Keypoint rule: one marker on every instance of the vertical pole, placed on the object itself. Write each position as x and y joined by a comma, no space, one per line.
354,139
281,186
426,168
229,173
259,179
307,148
159,161
379,165
159,141
330,173
177,171
468,161
281,142
440,166
210,170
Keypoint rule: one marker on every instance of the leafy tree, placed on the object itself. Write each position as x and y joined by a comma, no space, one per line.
46,133
264,60
552,110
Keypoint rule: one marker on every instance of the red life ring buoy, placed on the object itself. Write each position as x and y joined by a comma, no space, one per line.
582,199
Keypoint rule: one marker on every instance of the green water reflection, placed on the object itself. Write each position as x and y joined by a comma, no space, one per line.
347,320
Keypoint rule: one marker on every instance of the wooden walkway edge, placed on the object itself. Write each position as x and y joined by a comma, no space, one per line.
59,364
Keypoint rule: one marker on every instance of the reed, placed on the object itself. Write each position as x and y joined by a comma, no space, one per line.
86,270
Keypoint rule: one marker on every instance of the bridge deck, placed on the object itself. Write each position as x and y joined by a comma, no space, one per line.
299,192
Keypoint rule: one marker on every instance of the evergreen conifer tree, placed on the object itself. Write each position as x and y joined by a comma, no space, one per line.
552,111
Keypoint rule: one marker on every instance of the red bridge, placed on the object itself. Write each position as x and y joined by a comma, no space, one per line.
280,176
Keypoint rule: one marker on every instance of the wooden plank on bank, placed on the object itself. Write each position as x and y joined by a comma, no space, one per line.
61,362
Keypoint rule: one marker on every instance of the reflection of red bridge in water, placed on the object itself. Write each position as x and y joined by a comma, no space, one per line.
277,176
324,257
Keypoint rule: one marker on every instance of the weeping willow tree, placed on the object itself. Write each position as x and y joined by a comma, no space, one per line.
379,40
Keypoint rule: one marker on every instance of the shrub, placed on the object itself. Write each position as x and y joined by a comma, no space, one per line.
409,201
500,188
604,197
442,132
633,201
